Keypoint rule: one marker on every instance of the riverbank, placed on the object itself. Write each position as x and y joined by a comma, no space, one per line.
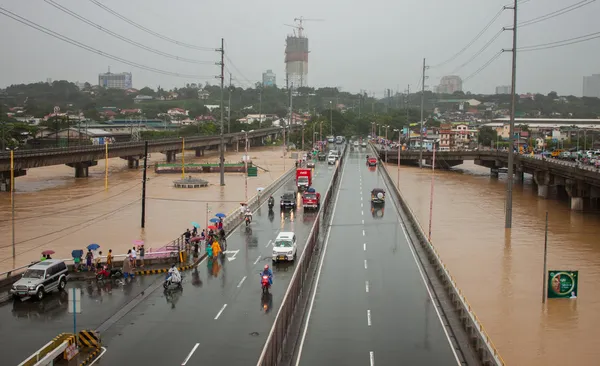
56,211
501,275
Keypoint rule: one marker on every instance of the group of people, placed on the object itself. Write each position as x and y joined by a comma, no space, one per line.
215,242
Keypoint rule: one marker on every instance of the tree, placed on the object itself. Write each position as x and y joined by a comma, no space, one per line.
487,135
147,91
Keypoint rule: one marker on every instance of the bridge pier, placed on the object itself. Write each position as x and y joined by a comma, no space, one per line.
171,154
5,178
542,179
577,191
199,151
82,169
133,162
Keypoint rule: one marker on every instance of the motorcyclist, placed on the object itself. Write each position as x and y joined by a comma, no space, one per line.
174,274
248,214
267,272
271,201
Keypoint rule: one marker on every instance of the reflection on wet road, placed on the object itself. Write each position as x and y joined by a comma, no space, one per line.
370,304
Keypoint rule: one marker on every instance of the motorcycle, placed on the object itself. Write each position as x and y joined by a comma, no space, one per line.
265,284
247,219
104,273
169,281
271,204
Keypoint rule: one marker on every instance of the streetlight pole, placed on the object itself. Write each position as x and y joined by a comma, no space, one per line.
183,158
246,163
398,161
386,142
422,109
320,133
330,118
260,108
12,197
511,137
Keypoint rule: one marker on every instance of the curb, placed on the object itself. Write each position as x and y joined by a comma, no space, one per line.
90,357
165,270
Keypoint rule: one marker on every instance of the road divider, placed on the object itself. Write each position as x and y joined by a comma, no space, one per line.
294,295
480,340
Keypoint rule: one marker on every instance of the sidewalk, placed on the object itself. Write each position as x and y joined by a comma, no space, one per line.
47,220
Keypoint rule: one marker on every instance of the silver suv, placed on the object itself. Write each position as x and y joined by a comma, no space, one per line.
41,278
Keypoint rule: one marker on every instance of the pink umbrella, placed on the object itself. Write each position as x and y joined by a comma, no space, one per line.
138,242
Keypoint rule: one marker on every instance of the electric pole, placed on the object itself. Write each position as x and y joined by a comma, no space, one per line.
222,145
422,122
260,107
407,104
229,108
511,143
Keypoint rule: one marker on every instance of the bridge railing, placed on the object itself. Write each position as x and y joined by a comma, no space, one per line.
272,350
485,348
138,144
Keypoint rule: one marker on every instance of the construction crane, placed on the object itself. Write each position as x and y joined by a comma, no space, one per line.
299,25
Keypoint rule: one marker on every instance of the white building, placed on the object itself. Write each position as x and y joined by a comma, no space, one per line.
503,89
115,81
269,78
591,86
450,84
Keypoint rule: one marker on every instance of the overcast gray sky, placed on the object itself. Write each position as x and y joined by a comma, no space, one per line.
370,45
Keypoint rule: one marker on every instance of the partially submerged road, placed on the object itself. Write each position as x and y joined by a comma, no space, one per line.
371,304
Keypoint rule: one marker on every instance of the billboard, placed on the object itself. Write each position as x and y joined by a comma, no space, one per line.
563,284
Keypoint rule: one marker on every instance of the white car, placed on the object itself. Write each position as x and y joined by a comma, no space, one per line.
331,159
355,143
285,247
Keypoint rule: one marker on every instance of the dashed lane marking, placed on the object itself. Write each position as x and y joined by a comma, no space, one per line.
190,354
257,259
365,264
367,286
241,282
369,318
220,311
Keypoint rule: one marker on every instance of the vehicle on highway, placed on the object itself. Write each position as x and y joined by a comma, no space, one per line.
331,159
303,178
285,248
363,144
371,161
377,211
288,200
173,277
264,282
271,203
335,153
356,144
322,156
311,199
378,196
330,139
41,278
104,273
310,164
339,140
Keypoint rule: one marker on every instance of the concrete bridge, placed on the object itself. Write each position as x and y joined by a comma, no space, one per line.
82,157
579,183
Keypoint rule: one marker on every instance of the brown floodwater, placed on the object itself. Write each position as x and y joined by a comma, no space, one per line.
53,210
501,273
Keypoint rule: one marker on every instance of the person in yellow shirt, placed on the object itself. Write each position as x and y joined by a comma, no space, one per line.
216,248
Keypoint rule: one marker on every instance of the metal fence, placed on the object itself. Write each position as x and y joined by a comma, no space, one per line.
273,347
486,351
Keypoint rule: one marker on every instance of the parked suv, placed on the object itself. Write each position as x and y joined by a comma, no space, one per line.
40,279
288,200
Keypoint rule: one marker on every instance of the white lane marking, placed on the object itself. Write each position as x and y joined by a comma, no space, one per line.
361,196
100,355
269,243
220,312
366,286
365,264
369,318
408,243
314,294
372,358
365,246
363,221
363,233
190,354
242,281
257,259
362,212
361,205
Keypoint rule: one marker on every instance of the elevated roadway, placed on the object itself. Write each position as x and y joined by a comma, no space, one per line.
371,304
220,316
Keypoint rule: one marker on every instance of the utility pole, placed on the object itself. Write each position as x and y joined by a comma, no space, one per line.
260,107
422,122
407,104
222,145
511,143
144,184
330,118
229,108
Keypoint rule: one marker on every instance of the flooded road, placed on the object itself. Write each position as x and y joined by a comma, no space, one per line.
502,275
58,212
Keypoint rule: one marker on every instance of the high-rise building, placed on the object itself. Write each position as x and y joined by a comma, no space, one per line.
503,89
450,84
296,58
115,81
591,86
269,78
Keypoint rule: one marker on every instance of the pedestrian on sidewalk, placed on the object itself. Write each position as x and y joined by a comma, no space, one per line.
88,260
133,258
98,260
109,260
194,231
216,249
142,253
242,210
220,224
127,265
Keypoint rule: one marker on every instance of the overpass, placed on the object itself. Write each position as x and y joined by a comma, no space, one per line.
571,180
82,157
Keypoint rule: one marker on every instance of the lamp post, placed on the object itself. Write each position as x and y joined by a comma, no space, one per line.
12,196
398,161
320,133
246,163
330,118
315,137
385,142
183,158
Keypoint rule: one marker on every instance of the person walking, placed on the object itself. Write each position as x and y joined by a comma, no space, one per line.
109,260
142,253
216,249
133,258
127,265
88,260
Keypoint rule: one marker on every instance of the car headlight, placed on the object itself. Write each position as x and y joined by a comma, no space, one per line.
32,287
290,252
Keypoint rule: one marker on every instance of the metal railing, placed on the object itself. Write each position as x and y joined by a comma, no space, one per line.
137,144
485,349
274,344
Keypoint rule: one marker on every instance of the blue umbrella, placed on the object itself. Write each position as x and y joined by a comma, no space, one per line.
220,215
195,224
215,220
93,246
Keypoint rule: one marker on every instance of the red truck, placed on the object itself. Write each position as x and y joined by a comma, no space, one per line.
311,199
303,178
371,161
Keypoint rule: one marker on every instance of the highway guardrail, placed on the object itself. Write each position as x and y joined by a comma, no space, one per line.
49,352
277,337
486,351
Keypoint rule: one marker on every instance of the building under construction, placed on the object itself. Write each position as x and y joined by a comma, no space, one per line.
296,56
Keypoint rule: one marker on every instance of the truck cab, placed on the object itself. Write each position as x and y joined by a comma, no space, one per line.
371,161
311,199
303,178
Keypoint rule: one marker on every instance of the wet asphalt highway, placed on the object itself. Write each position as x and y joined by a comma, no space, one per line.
219,316
370,305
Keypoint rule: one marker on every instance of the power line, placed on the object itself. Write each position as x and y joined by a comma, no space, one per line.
59,36
564,42
556,13
479,52
488,25
125,39
141,27
488,63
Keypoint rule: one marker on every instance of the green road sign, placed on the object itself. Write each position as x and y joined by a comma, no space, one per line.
562,284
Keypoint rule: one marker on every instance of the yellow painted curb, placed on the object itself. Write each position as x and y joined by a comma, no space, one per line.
90,357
